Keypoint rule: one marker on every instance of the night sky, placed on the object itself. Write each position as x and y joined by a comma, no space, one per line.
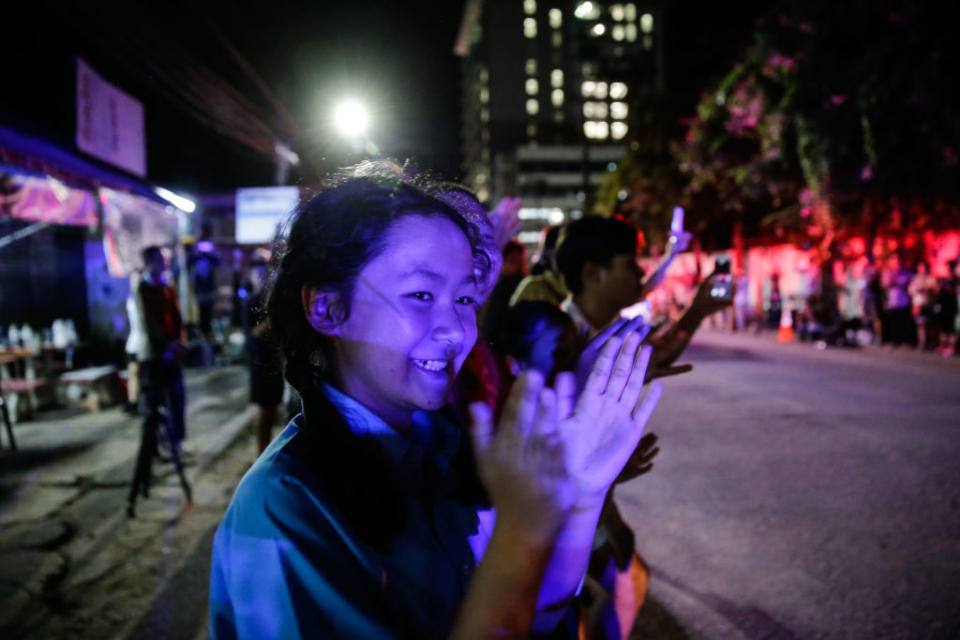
399,57
396,56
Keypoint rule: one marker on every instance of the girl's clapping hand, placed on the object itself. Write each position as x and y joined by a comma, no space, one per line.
522,463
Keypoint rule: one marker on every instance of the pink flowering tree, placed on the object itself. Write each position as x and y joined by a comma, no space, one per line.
835,120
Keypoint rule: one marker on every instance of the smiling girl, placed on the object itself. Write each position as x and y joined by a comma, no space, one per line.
369,516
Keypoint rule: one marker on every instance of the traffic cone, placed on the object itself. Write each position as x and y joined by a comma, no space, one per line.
785,334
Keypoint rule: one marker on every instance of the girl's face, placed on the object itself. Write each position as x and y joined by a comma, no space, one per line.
413,320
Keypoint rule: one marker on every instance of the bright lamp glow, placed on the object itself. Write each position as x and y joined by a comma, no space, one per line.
351,118
180,202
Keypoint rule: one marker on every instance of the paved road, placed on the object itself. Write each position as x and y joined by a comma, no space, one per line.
802,494
71,564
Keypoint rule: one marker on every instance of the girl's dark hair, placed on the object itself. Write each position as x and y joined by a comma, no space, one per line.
331,238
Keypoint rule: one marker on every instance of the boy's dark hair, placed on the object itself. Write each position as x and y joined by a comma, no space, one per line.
148,253
512,247
593,239
551,235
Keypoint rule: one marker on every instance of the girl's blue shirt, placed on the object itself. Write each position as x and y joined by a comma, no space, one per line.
287,565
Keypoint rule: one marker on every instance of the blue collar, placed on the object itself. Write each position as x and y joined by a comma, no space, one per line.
431,433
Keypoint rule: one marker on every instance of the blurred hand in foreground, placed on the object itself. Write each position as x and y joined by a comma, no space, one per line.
505,220
522,462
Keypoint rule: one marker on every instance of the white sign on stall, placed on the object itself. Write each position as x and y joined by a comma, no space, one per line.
261,212
109,122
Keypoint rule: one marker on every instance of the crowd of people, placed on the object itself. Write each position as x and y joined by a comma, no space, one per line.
447,477
886,303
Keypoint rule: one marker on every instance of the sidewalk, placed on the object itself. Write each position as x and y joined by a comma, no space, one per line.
707,335
71,563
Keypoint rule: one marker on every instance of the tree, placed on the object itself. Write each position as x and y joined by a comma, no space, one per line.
837,120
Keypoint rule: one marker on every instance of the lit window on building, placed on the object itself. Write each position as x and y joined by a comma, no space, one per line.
556,78
601,90
618,130
647,43
530,6
556,18
484,115
530,27
618,90
631,33
646,23
618,110
617,32
533,107
595,110
587,88
616,12
484,95
483,74
595,129
531,131
630,12
531,66
598,29
556,39
587,11
481,178
556,97
483,194
532,86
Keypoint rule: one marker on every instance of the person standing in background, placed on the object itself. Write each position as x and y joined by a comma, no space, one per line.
922,289
161,372
945,308
136,343
514,270
265,360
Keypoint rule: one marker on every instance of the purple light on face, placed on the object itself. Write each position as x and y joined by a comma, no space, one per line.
205,246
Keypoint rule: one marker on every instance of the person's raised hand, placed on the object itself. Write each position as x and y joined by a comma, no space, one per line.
660,370
704,304
641,460
522,462
505,220
608,418
679,241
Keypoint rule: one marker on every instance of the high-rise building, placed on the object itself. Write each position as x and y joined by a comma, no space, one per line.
548,87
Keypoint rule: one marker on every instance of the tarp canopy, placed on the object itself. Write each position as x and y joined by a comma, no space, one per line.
131,223
45,199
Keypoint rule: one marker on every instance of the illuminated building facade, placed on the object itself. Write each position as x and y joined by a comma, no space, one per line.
548,86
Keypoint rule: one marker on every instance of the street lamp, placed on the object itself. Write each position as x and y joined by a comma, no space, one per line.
351,118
